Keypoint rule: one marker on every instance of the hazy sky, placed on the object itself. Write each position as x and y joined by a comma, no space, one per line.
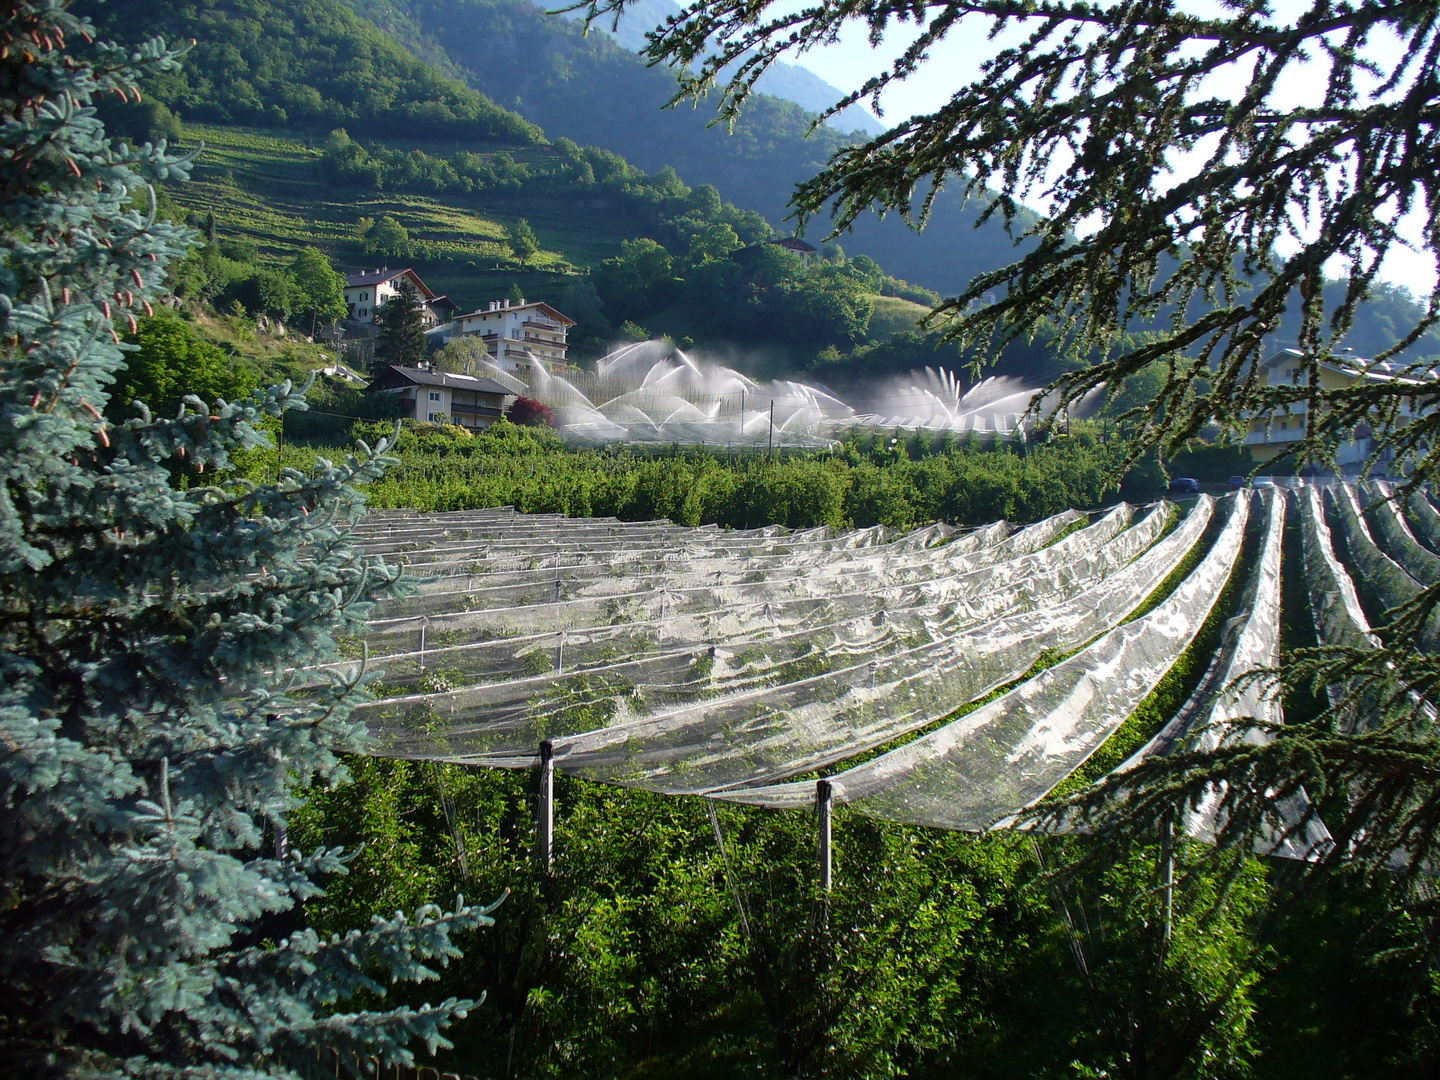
956,62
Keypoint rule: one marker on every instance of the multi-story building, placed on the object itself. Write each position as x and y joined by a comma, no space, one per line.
518,337
367,290
1269,437
440,397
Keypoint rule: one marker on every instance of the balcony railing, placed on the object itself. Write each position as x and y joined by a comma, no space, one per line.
538,325
475,410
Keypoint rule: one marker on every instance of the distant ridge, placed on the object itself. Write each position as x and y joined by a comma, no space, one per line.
790,82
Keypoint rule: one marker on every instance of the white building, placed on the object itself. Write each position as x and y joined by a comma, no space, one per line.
440,397
367,290
518,337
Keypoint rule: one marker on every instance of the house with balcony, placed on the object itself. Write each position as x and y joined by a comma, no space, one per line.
367,290
1269,437
519,337
441,397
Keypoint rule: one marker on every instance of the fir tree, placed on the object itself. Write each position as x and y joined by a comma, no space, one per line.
151,742
402,327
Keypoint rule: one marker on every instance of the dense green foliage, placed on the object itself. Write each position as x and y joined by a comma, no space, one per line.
305,62
760,296
593,91
866,482
170,360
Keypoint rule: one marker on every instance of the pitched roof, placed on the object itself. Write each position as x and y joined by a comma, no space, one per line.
379,277
793,243
478,384
1356,367
554,313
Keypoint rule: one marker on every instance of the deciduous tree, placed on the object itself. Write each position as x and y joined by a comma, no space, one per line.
523,244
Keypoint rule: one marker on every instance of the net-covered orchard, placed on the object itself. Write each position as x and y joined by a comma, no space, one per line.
939,677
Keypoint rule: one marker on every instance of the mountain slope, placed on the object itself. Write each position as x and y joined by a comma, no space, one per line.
304,63
592,90
790,82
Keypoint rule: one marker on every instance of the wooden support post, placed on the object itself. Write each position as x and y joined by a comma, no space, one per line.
822,820
545,816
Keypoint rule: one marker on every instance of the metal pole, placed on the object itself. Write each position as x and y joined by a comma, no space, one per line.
822,816
742,420
1167,885
772,429
545,817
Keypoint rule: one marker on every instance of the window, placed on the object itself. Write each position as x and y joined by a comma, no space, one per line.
437,418
434,395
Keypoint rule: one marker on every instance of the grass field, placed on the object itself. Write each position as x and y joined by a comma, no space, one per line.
893,315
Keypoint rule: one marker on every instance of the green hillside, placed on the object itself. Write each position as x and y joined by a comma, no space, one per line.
272,188
269,83
594,91
315,64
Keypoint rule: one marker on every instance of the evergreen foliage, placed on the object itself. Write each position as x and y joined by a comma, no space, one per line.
402,327
150,746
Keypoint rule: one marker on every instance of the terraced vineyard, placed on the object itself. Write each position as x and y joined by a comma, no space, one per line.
270,186
937,677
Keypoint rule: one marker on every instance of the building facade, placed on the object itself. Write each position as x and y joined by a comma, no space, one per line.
367,290
518,337
1268,437
440,397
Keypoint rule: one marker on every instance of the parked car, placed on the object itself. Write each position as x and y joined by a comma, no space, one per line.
1238,482
1185,485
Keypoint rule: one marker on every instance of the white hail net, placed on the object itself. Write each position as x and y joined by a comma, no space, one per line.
726,663
1396,537
1234,702
1389,582
979,769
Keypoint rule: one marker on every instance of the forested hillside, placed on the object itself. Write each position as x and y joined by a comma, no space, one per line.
595,91
364,130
